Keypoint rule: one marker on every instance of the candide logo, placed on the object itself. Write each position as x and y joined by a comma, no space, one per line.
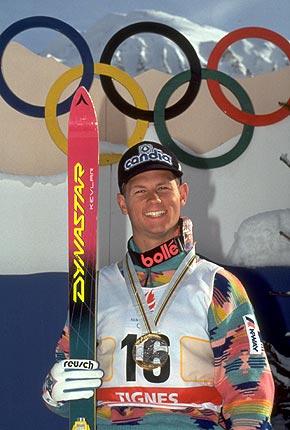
162,253
148,153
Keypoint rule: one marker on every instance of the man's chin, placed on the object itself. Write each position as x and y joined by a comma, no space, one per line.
162,234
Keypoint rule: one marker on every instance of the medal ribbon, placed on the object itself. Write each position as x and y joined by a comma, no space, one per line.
138,297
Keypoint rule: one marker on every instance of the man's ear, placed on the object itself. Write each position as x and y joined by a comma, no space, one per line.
184,190
122,203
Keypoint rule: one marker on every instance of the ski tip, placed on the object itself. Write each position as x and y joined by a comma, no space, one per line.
82,107
81,97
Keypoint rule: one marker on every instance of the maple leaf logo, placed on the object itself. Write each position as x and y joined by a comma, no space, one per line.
150,299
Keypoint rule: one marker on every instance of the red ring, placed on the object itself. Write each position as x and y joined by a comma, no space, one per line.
215,89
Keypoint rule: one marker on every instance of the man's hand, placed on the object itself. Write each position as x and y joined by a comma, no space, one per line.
75,379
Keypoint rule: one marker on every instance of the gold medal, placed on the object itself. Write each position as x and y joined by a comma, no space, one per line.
150,351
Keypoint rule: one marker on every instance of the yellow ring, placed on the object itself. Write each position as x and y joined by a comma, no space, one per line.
76,72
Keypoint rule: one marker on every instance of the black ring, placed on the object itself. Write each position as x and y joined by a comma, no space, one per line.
174,36
68,31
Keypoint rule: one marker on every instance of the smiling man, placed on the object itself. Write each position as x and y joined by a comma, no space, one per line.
151,194
178,342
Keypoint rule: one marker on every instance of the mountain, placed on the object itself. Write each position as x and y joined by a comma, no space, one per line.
145,51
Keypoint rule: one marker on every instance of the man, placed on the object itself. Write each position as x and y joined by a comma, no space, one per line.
179,345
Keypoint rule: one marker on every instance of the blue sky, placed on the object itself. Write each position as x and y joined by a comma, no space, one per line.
82,14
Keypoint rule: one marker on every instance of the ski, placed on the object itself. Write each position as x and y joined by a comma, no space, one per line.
83,166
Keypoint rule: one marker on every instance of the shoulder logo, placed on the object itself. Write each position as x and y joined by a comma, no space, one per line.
253,334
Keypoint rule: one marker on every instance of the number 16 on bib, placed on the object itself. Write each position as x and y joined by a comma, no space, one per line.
83,165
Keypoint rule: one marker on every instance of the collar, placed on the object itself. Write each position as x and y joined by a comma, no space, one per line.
157,255
177,246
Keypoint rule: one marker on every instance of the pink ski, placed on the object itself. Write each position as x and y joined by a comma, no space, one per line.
83,166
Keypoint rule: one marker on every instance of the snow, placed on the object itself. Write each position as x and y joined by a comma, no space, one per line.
224,14
147,51
29,242
203,25
259,241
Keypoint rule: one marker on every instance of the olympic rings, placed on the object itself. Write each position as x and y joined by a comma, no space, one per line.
173,35
140,111
99,69
185,157
215,90
68,31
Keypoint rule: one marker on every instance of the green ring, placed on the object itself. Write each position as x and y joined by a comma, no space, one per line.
185,157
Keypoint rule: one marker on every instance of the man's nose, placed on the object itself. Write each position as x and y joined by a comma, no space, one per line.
154,196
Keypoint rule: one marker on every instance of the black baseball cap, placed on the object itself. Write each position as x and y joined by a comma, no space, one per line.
146,156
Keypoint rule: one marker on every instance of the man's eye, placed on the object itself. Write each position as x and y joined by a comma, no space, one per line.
139,191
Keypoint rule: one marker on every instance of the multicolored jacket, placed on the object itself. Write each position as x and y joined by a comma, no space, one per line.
241,385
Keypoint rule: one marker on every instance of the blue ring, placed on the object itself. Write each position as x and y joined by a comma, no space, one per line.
54,24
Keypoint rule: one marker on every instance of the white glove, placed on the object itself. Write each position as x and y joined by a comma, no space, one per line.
75,379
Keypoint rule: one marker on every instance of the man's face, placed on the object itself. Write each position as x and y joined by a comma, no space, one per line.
153,201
